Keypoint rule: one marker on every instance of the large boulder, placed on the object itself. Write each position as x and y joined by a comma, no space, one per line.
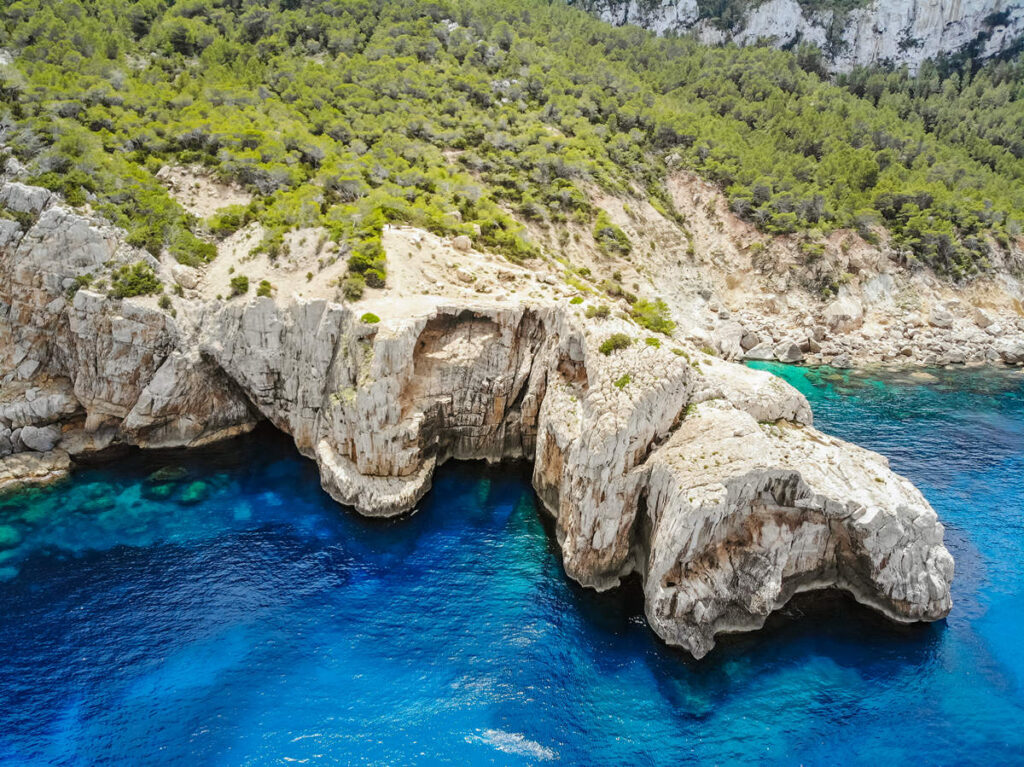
727,339
1011,351
24,199
981,318
788,351
763,351
42,439
940,317
749,340
185,276
844,314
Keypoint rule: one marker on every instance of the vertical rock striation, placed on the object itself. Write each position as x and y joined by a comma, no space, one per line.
897,32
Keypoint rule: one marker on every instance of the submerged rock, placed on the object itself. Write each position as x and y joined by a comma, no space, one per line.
168,474
9,537
194,492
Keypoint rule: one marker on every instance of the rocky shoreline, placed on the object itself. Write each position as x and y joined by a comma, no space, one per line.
705,477
952,333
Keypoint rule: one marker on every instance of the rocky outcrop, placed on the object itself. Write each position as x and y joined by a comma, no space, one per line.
705,478
740,516
30,469
897,32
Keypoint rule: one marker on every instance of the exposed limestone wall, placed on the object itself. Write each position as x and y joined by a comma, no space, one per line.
646,462
895,31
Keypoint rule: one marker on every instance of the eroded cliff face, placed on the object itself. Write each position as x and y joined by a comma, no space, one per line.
705,478
900,32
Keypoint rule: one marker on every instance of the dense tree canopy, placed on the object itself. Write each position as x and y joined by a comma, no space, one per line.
463,117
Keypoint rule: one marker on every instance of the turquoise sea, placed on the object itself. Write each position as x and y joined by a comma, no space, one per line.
216,608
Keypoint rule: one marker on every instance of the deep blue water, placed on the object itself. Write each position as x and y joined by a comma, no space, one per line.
234,615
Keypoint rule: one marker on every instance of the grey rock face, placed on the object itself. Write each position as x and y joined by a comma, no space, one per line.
743,516
896,31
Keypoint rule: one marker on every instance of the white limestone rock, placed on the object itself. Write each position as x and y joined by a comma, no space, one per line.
940,317
844,315
899,32
742,516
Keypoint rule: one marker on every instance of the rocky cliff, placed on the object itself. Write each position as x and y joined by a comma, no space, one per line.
899,32
705,478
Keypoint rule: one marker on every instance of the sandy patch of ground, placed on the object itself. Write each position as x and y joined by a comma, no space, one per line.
198,192
310,267
425,270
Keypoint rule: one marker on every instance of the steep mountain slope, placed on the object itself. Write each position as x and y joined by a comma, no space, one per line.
849,32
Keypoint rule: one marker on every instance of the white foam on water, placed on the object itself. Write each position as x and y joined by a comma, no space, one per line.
513,743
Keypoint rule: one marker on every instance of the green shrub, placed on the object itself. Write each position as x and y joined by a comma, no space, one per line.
81,281
369,319
189,249
614,342
229,220
264,288
576,300
272,243
164,302
652,341
353,287
135,280
375,278
652,315
239,285
600,312
609,238
622,382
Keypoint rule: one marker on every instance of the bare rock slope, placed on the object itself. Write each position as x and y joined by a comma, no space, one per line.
705,478
898,32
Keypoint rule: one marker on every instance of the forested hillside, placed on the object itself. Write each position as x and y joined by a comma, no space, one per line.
469,117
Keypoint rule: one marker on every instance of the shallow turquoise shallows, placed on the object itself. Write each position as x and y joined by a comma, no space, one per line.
216,608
